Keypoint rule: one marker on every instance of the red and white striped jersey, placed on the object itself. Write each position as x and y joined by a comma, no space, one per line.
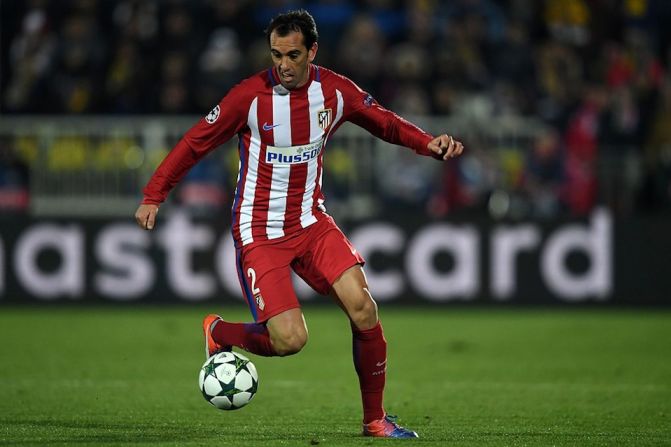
282,135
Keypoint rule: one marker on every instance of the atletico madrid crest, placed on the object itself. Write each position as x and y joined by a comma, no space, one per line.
324,118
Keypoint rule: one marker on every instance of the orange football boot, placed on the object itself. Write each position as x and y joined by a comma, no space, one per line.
211,346
387,428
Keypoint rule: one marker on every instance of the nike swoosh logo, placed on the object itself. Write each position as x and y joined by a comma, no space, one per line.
378,364
268,127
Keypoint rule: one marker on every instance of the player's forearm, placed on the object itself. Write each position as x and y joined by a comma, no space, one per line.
171,170
394,129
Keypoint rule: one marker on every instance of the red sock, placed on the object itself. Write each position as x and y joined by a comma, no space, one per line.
251,337
369,349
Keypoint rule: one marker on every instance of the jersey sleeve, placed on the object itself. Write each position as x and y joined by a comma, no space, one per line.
362,110
225,120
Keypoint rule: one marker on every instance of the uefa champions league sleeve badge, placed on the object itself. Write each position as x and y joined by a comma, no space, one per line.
213,115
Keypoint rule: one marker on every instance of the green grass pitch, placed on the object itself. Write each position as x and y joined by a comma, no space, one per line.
476,377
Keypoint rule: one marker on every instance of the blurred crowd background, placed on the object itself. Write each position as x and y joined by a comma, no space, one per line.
586,83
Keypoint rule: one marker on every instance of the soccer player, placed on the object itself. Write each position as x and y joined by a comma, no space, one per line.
283,118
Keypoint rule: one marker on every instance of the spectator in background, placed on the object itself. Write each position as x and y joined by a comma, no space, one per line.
137,21
655,192
133,57
545,174
648,73
14,180
362,51
489,16
582,147
460,54
79,65
512,60
181,42
407,76
620,136
406,183
204,189
633,75
264,11
448,195
560,78
222,62
465,184
408,73
568,21
443,96
175,95
123,84
333,17
340,169
219,66
237,16
31,55
387,15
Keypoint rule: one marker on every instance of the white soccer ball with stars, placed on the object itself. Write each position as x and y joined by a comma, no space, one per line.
228,380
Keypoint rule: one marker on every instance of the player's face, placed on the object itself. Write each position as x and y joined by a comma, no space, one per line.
291,58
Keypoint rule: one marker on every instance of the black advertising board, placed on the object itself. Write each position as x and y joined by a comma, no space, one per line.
597,260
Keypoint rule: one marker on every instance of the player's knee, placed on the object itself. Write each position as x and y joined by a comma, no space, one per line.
290,343
364,313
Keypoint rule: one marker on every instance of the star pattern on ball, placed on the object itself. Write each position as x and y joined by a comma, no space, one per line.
209,369
239,364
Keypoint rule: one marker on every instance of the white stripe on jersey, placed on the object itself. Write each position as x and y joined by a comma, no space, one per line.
339,111
249,182
279,187
316,101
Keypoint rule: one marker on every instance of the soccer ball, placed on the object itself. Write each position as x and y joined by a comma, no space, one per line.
228,380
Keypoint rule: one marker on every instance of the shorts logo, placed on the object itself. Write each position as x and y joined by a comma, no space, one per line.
324,118
259,302
213,115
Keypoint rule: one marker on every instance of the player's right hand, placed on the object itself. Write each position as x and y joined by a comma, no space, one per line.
145,216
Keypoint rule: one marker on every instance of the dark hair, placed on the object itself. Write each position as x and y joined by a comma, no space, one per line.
298,20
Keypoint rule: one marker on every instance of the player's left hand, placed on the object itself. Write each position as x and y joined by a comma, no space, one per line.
444,147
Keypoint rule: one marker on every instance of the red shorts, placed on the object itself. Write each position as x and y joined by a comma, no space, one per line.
319,254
